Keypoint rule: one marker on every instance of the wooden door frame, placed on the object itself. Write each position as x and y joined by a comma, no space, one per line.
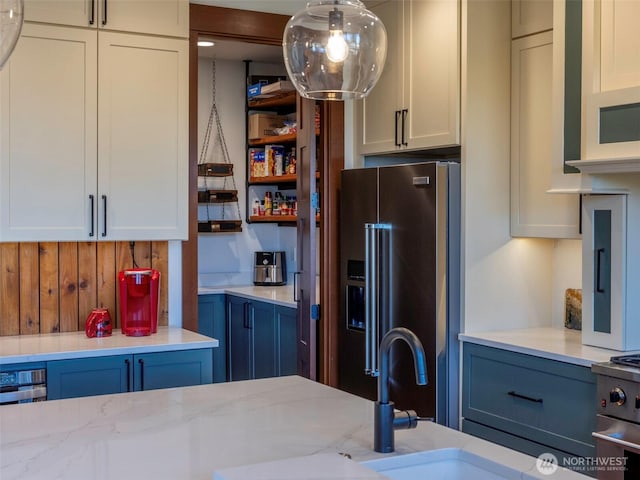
267,29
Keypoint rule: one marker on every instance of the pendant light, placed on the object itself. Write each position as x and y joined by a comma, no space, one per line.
11,13
334,50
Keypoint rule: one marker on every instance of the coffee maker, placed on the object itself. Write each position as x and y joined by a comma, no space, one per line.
270,269
139,295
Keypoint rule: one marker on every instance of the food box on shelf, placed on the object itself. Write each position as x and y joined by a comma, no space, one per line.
274,160
263,124
262,90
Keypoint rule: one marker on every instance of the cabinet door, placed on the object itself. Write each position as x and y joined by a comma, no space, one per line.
212,323
88,376
143,130
604,274
79,13
620,67
172,369
240,353
431,74
286,319
531,16
48,135
157,17
263,332
378,115
534,212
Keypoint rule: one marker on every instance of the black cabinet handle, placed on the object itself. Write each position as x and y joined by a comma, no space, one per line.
92,231
599,254
93,12
104,217
128,364
141,362
395,133
404,121
104,12
524,397
245,315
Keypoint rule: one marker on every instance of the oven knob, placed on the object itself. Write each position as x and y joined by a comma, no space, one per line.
617,396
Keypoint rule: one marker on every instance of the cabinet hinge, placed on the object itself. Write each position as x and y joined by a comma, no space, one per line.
315,312
315,200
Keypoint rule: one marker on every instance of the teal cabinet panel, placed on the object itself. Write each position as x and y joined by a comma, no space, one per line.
240,353
262,339
287,321
212,322
265,350
89,376
84,377
180,368
528,397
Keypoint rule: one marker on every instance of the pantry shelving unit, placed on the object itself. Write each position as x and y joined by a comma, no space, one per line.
282,103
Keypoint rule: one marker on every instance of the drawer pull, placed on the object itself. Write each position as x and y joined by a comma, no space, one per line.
524,397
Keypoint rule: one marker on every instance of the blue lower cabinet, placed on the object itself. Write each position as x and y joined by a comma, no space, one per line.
126,373
522,401
172,369
287,322
212,322
262,322
83,377
262,339
240,346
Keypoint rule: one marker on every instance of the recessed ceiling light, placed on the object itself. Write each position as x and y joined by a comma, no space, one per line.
203,43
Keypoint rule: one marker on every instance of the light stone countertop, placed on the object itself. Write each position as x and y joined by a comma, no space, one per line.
60,346
281,295
188,433
561,344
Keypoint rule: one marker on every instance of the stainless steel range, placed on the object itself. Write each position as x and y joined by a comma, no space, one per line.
618,427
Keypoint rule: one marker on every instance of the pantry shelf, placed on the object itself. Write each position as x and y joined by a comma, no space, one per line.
274,180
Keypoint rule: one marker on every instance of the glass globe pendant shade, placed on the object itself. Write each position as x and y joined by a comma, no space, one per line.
11,15
334,50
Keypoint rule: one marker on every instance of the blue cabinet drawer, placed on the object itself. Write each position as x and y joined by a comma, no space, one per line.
541,400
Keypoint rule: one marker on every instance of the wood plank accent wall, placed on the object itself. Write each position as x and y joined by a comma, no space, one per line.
51,287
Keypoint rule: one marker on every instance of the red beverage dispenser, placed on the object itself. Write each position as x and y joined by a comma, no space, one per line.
139,290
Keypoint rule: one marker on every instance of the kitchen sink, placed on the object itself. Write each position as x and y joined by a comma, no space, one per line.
449,463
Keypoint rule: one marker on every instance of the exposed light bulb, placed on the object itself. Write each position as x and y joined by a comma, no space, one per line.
337,48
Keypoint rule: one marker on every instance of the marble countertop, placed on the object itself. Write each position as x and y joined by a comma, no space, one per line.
59,346
560,344
188,433
282,295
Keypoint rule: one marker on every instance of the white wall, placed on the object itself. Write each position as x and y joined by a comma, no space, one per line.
506,282
227,258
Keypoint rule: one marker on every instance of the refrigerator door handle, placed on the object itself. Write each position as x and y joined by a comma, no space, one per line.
376,261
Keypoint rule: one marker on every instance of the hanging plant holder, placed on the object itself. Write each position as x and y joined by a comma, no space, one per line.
215,169
217,197
220,226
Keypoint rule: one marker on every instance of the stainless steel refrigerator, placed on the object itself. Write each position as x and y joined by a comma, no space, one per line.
400,266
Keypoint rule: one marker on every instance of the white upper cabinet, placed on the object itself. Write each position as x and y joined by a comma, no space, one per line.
534,211
142,137
157,17
48,125
611,84
531,16
94,136
415,105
